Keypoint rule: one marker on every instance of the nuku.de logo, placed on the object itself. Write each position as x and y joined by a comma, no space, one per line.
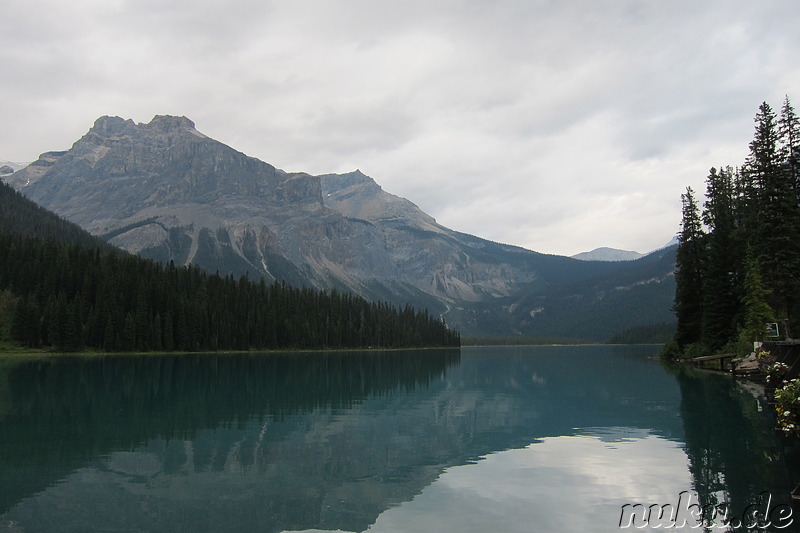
688,513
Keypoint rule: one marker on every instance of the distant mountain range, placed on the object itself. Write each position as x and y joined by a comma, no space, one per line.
608,254
9,167
165,191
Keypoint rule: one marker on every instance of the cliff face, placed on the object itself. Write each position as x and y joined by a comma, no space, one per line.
166,191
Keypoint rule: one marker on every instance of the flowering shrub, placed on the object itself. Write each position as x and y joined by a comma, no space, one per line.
787,406
765,359
775,373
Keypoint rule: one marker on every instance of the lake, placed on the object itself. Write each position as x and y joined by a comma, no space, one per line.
506,439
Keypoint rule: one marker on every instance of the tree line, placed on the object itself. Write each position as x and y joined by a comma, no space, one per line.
69,296
738,258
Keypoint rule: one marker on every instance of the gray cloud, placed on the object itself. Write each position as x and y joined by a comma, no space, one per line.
560,126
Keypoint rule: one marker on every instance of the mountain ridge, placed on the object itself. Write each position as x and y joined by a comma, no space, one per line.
168,192
608,254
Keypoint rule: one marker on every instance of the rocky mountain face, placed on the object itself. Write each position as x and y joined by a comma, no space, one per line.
165,191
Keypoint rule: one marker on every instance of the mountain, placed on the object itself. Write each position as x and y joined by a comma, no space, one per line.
608,254
9,167
165,191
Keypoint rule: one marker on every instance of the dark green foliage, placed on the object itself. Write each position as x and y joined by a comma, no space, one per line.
20,216
689,271
789,142
71,296
651,334
746,267
127,303
8,304
721,293
757,311
775,237
521,340
592,309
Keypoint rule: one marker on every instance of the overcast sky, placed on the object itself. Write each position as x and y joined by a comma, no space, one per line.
560,126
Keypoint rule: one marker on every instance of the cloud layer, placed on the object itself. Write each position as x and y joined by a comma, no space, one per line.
560,126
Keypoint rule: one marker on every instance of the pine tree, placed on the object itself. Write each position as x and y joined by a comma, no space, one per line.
109,336
169,333
721,298
128,334
763,161
689,265
758,173
789,149
757,311
8,304
772,233
25,321
72,334
789,142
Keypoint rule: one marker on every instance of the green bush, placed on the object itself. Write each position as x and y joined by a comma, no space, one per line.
670,351
787,407
696,349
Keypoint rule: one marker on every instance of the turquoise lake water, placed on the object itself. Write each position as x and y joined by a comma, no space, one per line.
496,439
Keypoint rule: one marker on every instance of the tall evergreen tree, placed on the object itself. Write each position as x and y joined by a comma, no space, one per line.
757,311
789,149
721,299
776,232
759,170
775,200
763,160
689,264
789,142
8,304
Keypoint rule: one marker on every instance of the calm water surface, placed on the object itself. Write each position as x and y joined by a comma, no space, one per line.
535,439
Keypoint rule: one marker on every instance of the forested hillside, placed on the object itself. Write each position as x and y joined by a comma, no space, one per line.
59,288
738,258
20,216
593,309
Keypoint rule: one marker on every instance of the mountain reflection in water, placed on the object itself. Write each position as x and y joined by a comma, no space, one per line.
511,439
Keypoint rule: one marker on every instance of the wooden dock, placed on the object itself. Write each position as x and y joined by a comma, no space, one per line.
787,352
716,362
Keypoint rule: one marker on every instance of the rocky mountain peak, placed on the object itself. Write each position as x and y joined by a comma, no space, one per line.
172,124
356,195
121,169
107,126
166,122
332,183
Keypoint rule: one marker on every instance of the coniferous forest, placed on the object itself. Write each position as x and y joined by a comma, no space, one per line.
738,259
62,289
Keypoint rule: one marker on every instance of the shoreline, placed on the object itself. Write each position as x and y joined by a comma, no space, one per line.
89,354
